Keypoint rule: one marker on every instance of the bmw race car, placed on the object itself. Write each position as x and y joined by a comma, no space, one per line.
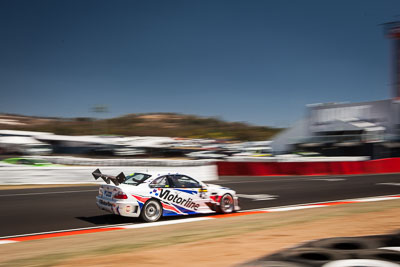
151,196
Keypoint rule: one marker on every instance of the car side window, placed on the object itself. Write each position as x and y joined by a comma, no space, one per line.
183,181
160,182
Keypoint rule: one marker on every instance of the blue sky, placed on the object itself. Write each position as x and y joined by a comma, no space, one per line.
254,61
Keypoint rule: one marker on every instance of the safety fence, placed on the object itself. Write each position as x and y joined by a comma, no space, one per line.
231,168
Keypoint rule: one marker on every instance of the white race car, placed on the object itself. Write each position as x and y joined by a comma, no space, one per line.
151,196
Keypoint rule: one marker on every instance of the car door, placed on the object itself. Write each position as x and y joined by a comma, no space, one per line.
160,188
189,192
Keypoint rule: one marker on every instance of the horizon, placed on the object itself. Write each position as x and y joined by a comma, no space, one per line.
138,114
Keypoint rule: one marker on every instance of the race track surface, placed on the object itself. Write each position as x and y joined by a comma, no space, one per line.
28,211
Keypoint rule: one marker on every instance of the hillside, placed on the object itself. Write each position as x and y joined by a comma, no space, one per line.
152,124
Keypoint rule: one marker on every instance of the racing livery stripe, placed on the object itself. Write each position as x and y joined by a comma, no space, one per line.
170,210
192,192
185,211
141,200
169,213
215,198
29,237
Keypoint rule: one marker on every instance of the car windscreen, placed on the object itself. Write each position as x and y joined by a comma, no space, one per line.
136,178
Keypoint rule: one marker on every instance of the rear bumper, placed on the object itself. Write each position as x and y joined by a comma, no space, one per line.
127,209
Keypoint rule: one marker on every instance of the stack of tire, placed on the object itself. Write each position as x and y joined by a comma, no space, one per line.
369,251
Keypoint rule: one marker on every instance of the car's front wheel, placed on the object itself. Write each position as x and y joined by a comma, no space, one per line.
151,211
226,204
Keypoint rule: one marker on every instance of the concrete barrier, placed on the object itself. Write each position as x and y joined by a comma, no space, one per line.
78,175
123,162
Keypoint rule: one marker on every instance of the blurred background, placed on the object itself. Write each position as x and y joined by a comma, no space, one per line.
209,79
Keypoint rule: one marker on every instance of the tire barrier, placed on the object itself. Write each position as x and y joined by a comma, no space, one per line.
360,263
278,264
370,251
313,256
349,244
381,254
231,168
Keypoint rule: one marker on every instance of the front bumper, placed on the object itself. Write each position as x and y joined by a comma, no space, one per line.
123,208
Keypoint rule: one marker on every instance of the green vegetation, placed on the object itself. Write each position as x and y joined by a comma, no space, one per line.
151,124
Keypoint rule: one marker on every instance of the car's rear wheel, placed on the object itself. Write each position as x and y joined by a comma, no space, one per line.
151,211
226,204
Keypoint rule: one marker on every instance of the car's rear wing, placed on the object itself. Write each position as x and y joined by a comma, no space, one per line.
119,179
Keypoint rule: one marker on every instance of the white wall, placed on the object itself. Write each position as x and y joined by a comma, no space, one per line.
76,175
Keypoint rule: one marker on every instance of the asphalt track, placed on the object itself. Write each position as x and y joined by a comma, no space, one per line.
28,211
